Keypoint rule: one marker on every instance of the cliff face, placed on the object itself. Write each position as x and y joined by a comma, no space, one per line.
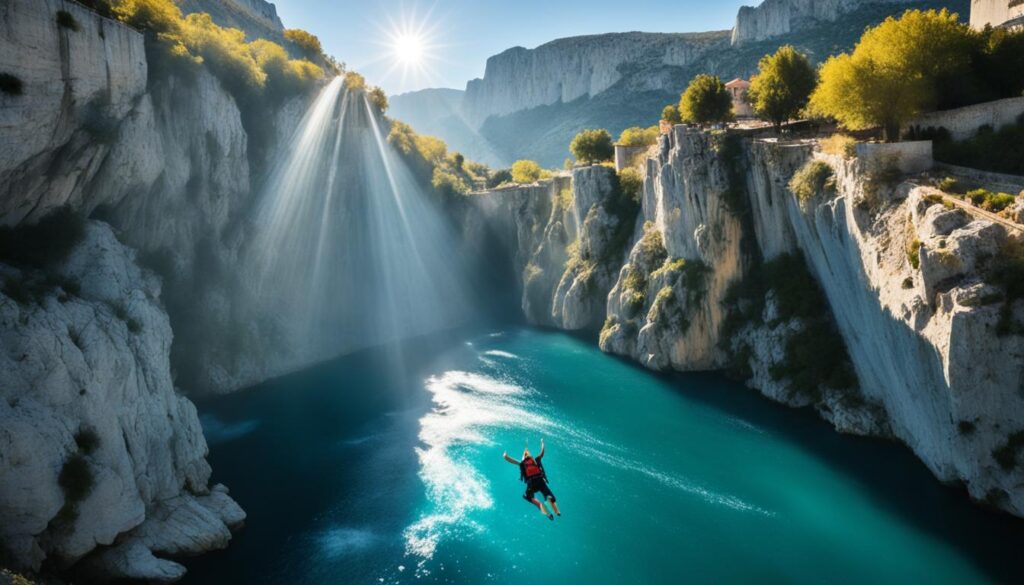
923,359
87,383
564,238
161,165
565,70
774,18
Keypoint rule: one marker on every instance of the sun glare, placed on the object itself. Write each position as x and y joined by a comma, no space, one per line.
408,49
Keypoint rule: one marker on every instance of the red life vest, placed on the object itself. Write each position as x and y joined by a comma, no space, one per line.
531,469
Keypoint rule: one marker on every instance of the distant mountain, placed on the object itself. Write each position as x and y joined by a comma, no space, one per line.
437,112
531,102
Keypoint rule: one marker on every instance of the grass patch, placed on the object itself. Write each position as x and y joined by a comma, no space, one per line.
990,201
813,178
10,84
839,145
914,253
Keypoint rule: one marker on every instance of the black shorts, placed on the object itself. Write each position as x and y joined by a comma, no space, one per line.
538,485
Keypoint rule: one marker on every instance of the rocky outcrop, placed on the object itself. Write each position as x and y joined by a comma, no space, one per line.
96,446
566,240
774,18
565,70
899,296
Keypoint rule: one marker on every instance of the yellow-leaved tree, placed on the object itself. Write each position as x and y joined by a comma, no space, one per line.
892,74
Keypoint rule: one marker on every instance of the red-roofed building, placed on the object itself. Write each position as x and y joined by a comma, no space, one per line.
738,90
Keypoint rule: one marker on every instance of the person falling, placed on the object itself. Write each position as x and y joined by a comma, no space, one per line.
531,471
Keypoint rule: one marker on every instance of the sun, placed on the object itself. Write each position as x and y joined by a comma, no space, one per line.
408,48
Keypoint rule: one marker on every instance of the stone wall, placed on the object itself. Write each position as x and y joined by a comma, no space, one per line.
962,123
911,157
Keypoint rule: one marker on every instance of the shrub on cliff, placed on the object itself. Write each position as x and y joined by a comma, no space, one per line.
637,136
499,177
671,114
378,99
307,43
526,171
813,178
892,74
178,42
592,146
782,87
632,183
706,101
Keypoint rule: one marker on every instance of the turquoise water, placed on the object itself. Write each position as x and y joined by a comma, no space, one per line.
386,467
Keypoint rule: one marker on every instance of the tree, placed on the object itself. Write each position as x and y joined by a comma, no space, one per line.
306,42
782,87
671,114
893,73
458,160
379,99
525,171
705,101
355,81
637,136
593,146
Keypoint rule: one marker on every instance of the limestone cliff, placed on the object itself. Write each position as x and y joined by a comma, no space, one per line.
814,302
565,240
774,18
565,70
97,449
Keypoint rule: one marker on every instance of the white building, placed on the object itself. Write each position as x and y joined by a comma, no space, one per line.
1008,13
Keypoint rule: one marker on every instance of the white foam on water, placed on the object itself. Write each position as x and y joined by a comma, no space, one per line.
466,405
501,354
679,483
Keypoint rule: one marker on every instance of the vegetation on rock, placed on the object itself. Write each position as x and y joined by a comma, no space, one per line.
637,136
782,86
922,61
592,146
705,101
813,178
526,171
670,114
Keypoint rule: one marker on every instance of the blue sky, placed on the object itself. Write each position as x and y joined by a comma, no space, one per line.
461,34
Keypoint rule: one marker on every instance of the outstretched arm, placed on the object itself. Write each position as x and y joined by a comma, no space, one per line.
541,454
509,459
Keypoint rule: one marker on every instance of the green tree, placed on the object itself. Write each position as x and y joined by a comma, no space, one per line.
379,99
526,171
892,74
706,101
671,114
306,42
637,136
593,146
782,87
355,81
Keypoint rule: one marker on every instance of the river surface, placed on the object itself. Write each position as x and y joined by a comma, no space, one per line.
385,467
